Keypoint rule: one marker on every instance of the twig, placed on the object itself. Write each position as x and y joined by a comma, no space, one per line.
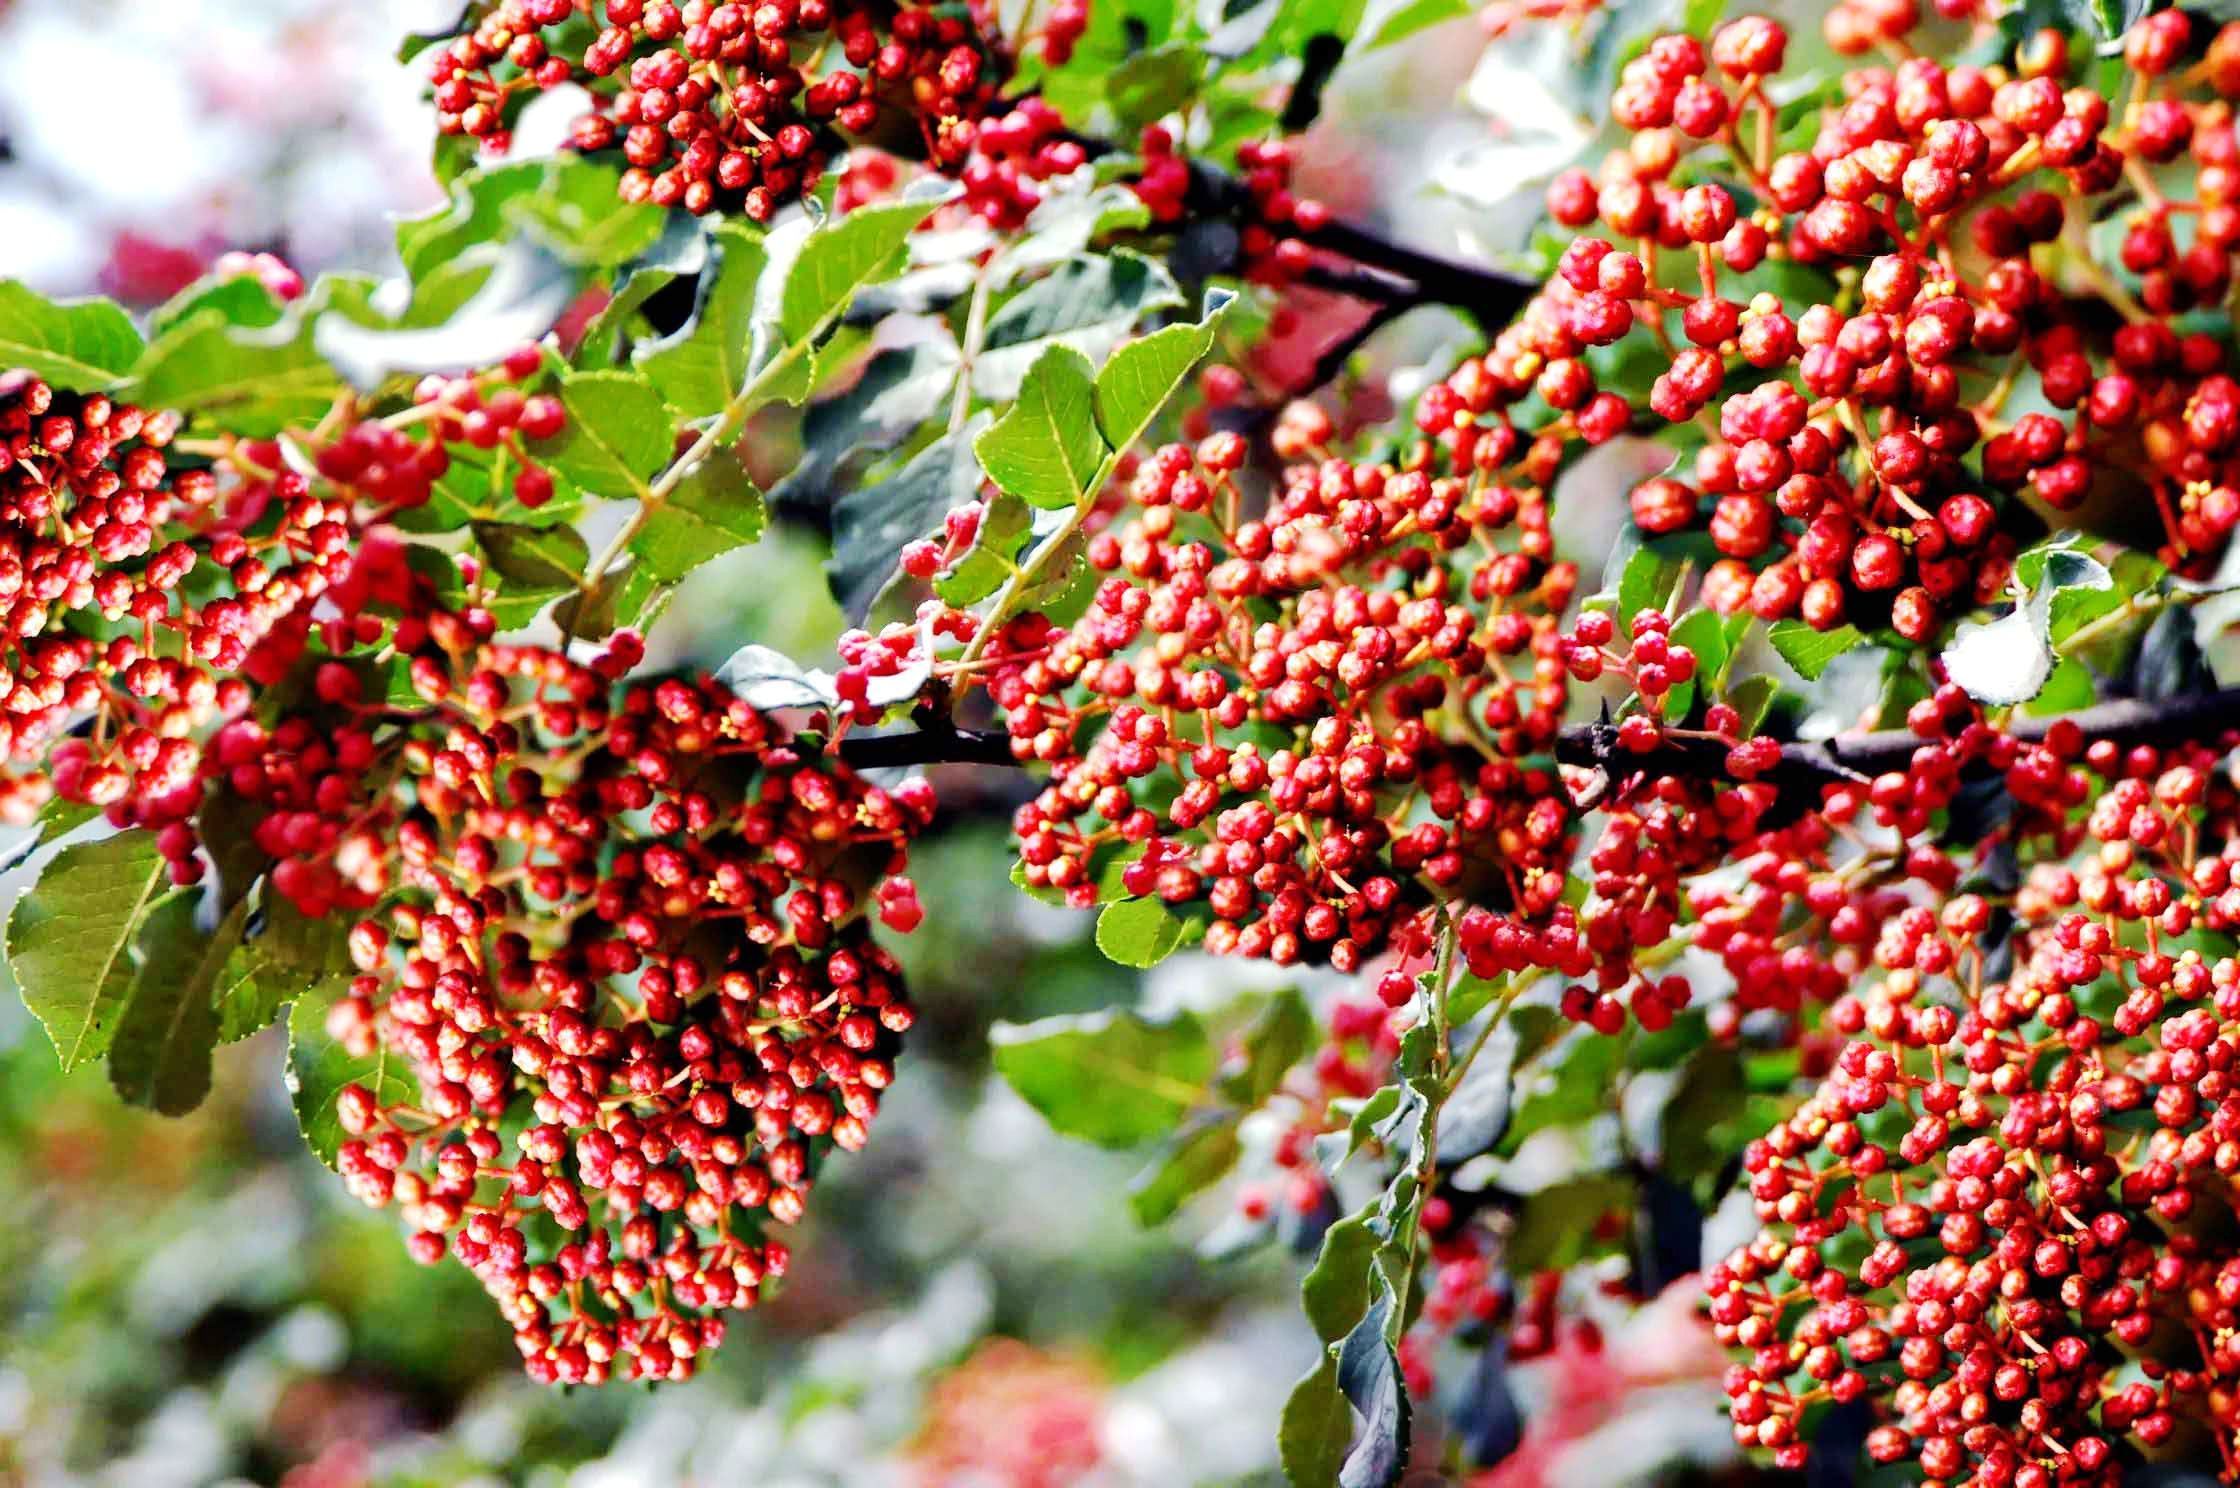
1852,759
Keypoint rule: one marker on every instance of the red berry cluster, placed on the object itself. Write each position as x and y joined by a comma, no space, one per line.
1996,1197
643,930
1274,219
714,105
1303,720
1861,469
90,512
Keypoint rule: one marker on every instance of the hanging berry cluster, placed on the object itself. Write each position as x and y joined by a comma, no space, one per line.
741,107
641,930
1860,465
1988,1222
1299,720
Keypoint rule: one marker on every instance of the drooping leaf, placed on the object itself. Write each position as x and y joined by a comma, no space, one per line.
1369,1374
524,294
1139,932
320,1065
69,938
293,953
870,525
1190,1162
1335,1292
766,678
1115,1077
705,363
1141,376
1089,303
1279,1036
81,345
899,389
1316,1429
1045,449
160,1057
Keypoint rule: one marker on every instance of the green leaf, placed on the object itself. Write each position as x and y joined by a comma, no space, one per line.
294,953
1809,650
532,566
1558,1223
320,1065
871,525
840,258
1066,224
1192,1161
1566,1084
1115,1077
766,678
1710,1094
2009,660
69,938
705,363
563,202
1089,303
522,294
161,1055
684,248
1138,932
1317,1426
246,1001
241,298
1046,449
1335,1292
256,381
1752,698
714,509
1280,1035
1141,376
899,389
478,487
1005,524
1704,632
1397,22
578,214
82,345
617,435
1153,84
1650,577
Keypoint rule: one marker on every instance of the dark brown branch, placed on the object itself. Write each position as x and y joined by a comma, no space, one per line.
935,746
1492,295
1851,758
1857,758
1408,276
